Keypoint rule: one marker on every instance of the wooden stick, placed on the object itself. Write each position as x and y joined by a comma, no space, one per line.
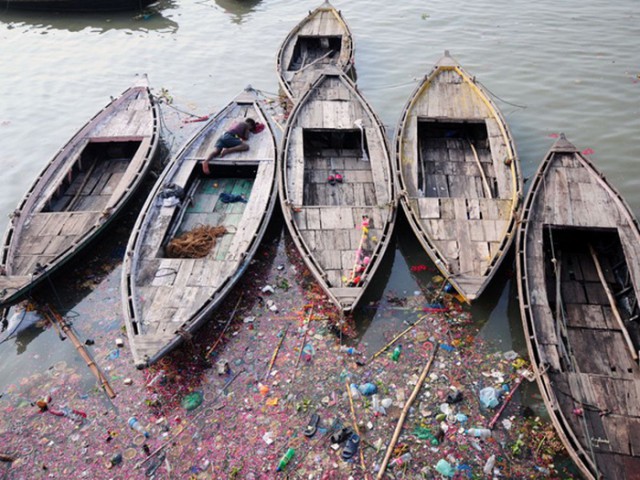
304,339
275,353
397,337
7,458
405,411
484,178
210,350
66,328
316,61
357,430
614,307
504,403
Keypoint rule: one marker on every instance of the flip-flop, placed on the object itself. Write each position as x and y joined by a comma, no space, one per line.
341,435
351,447
331,179
338,177
312,426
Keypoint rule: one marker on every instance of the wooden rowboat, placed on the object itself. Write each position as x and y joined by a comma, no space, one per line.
75,6
459,176
166,299
80,191
578,264
320,40
341,226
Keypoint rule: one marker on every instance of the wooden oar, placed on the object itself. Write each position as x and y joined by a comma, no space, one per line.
484,178
614,307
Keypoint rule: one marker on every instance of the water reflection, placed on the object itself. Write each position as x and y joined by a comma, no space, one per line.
238,9
150,19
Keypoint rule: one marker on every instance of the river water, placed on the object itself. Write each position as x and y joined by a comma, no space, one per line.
554,66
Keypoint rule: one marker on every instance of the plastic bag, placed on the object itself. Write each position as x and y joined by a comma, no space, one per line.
489,397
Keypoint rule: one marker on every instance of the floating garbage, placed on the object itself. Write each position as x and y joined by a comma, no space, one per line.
192,401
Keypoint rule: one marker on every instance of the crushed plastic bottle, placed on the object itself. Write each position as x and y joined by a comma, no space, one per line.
348,350
488,467
479,432
308,352
401,460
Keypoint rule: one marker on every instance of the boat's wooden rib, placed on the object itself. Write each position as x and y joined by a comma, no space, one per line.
320,40
166,299
578,267
333,131
80,191
459,177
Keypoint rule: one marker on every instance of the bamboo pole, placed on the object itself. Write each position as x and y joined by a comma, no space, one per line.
357,430
614,307
215,344
397,337
304,339
66,328
275,353
405,411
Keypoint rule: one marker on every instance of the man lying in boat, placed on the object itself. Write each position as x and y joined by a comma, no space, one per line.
233,140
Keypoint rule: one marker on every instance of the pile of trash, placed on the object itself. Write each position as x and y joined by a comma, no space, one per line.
278,385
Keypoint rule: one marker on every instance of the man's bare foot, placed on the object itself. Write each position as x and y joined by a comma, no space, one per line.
223,152
205,168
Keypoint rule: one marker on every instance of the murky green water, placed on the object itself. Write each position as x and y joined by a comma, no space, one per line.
568,66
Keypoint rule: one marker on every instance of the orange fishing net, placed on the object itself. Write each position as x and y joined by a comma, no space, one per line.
196,243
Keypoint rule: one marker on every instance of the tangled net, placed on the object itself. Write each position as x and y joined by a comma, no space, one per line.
196,243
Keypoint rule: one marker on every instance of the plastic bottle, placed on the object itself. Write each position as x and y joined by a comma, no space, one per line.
401,460
396,353
488,467
286,458
348,350
479,432
135,425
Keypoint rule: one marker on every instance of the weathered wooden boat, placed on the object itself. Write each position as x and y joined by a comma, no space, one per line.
165,298
460,183
75,6
578,267
336,188
322,39
82,189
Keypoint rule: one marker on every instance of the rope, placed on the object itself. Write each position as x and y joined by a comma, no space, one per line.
196,243
499,98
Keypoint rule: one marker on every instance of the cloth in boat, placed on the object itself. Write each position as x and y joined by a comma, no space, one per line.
231,198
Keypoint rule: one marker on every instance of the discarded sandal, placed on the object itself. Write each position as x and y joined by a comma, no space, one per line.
331,179
351,447
341,435
312,426
338,177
